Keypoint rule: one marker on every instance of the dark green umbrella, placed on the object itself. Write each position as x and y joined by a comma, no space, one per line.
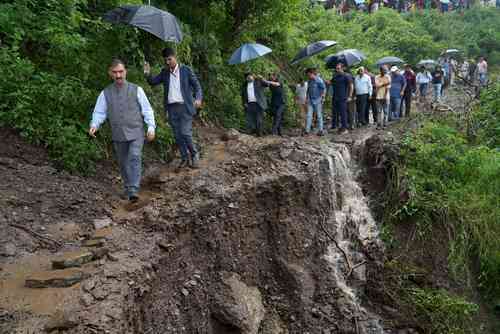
311,50
389,61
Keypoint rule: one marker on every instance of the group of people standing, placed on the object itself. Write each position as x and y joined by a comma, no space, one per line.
370,6
387,95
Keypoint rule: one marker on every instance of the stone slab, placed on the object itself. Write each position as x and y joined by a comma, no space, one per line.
93,243
72,259
55,279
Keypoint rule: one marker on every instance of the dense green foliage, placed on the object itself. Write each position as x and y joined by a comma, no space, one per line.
486,118
454,183
442,312
436,311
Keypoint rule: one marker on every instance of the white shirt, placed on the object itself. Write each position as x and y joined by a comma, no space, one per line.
363,85
423,77
301,91
174,88
251,92
482,67
101,107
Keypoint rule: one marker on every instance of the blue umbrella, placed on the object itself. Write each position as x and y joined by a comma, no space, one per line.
311,50
248,51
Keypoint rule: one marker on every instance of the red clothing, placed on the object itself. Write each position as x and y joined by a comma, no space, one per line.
411,80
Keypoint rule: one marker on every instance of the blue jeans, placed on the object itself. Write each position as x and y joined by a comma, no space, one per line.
395,107
436,92
181,122
129,156
339,110
483,79
444,7
318,109
423,89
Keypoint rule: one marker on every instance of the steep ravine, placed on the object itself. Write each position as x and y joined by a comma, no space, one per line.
271,235
280,242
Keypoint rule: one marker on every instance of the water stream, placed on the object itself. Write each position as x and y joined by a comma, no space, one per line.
353,226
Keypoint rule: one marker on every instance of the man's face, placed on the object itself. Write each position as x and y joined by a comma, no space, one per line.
250,78
171,62
310,75
339,68
118,74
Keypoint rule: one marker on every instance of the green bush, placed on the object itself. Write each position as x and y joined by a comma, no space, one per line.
457,185
486,118
440,312
48,110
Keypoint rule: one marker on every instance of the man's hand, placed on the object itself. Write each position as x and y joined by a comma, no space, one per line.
92,132
197,104
150,136
147,68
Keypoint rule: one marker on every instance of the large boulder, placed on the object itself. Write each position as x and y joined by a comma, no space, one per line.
237,305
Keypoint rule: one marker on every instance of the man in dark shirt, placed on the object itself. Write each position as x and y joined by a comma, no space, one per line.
411,87
278,103
342,86
437,83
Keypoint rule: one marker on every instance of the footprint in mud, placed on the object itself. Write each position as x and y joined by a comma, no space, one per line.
133,206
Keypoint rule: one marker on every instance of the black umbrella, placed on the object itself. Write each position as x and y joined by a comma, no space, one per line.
450,52
429,63
348,57
311,50
389,61
158,22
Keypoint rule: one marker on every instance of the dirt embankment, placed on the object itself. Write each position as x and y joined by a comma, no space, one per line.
245,244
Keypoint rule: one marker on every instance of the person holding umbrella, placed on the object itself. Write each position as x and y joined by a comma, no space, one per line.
182,96
127,108
254,101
